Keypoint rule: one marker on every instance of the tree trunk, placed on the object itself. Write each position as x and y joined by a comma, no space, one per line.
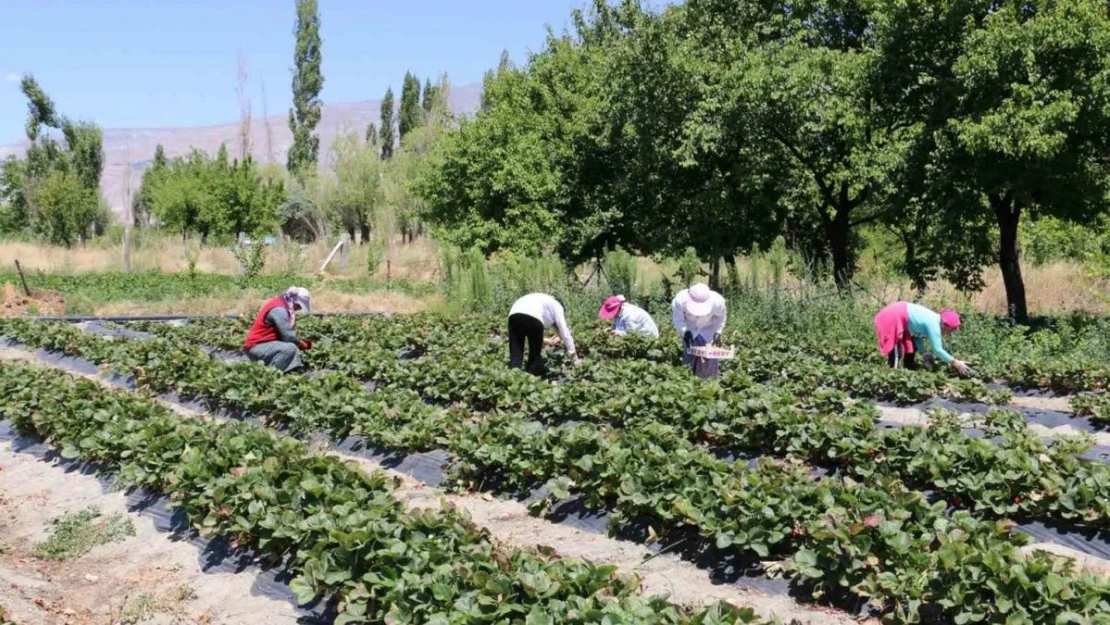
837,231
1008,213
127,246
715,274
365,228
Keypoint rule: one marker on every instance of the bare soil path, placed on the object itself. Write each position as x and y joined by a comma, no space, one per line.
510,523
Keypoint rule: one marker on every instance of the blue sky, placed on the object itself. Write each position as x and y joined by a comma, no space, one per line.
135,63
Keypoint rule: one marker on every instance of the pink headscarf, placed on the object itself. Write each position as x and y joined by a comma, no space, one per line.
950,319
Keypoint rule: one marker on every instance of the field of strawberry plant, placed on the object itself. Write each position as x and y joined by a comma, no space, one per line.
779,467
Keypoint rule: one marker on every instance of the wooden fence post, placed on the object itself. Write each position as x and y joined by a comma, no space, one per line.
22,278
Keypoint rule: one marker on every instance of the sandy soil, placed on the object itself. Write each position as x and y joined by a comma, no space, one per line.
510,523
147,577
917,417
14,302
1056,404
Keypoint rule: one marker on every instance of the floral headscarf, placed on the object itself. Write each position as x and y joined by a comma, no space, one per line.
295,296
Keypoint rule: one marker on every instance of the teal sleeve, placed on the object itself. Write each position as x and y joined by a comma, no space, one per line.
938,343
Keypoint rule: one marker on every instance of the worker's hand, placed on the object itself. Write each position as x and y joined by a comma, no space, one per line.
961,367
575,360
305,345
551,340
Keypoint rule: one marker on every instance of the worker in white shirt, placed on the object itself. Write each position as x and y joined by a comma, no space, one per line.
699,316
627,317
528,318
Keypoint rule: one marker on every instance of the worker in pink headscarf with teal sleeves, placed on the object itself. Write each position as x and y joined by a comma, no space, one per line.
901,327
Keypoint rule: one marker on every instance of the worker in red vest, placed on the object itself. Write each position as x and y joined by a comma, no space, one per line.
271,338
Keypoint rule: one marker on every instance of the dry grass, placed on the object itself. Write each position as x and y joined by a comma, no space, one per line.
1053,288
1056,287
323,300
414,261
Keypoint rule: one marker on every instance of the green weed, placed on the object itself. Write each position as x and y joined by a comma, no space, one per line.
76,533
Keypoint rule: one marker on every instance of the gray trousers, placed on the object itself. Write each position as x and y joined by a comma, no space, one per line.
284,356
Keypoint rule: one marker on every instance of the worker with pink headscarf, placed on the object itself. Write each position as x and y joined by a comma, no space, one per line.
902,325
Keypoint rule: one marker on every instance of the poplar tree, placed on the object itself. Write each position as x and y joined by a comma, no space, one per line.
308,81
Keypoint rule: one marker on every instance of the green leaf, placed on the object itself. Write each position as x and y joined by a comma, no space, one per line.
303,592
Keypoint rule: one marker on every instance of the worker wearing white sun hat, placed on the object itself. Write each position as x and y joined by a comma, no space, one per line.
699,315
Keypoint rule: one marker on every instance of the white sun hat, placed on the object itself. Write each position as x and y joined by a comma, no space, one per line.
698,300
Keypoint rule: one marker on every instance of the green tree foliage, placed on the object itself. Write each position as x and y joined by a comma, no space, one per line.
207,196
411,112
352,198
388,139
142,201
372,135
1009,103
408,208
428,97
54,191
308,81
721,126
532,171
69,208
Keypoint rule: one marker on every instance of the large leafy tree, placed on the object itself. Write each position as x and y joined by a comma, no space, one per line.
354,196
54,191
789,82
208,196
685,182
1012,106
530,172
308,81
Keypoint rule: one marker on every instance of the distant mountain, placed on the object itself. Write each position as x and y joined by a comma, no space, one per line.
132,149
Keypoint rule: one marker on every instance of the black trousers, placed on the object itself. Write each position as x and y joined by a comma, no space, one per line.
908,360
526,328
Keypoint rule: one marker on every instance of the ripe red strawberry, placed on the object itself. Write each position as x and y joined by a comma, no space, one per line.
1017,499
957,501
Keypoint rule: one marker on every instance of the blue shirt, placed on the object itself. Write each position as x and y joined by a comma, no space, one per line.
635,319
924,323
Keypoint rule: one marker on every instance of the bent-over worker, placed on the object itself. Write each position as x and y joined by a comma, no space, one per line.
627,317
271,338
699,315
527,319
901,326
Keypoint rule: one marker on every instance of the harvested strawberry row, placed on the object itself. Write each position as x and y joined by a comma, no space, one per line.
1061,373
339,530
807,372
772,508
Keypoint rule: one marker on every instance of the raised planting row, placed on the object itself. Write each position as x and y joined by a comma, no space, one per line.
1016,474
359,347
1036,368
879,540
1094,406
337,529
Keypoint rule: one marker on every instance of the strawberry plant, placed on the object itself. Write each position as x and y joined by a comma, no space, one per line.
640,452
338,530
